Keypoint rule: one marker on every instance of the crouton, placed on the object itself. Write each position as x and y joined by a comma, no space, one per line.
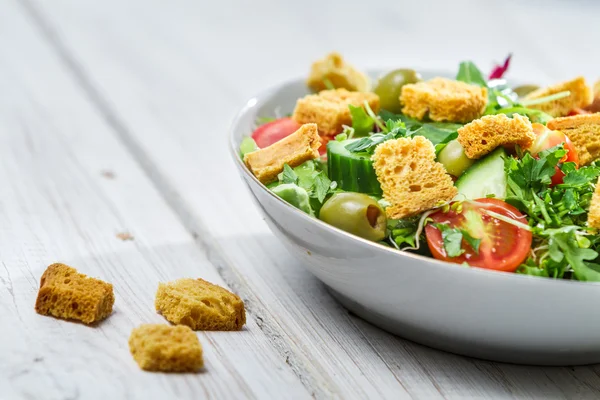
337,72
482,136
593,220
580,97
411,180
166,348
584,132
443,99
300,146
329,109
67,294
200,305
597,89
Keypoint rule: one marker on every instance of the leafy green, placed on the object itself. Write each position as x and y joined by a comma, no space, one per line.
369,143
452,238
439,133
361,121
469,73
321,186
472,241
264,120
288,175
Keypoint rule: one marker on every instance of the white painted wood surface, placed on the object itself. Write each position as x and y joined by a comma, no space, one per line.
147,89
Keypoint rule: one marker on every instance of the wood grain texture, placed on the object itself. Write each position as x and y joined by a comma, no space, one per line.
168,79
57,205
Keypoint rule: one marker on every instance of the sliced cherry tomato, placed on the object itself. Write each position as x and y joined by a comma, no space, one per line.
546,139
324,140
271,132
503,246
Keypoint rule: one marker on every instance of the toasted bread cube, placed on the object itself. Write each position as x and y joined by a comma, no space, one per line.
482,136
411,180
67,294
584,132
443,99
340,74
200,305
329,109
597,89
581,96
300,146
594,212
166,348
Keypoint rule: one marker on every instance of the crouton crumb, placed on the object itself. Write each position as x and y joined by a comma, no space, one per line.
581,96
329,109
411,180
443,99
482,136
300,146
334,70
584,132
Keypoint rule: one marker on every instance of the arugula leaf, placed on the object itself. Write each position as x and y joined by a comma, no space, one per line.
321,186
565,241
288,175
469,73
361,121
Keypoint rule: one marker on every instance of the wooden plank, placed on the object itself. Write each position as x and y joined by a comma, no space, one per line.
58,203
169,78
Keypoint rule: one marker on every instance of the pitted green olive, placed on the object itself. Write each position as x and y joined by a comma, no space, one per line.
390,85
355,213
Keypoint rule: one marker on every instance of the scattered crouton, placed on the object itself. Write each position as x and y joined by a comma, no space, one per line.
580,97
300,146
482,136
200,305
411,180
584,132
597,89
594,212
65,293
166,348
333,70
329,109
443,99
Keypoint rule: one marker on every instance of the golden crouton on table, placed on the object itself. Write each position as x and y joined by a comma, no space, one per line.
329,109
166,348
200,305
65,293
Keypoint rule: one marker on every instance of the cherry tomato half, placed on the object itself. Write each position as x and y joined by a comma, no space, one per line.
503,246
547,139
271,132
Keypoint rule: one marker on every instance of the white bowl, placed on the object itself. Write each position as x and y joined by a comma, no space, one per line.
470,311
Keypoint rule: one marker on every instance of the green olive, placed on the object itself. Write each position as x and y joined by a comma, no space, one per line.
389,86
355,213
524,90
454,159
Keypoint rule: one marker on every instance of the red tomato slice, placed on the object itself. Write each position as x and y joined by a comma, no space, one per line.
503,246
547,139
271,132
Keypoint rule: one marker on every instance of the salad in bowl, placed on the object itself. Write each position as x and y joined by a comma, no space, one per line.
470,170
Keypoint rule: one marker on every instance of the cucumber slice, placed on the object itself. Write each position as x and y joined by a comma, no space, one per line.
485,177
353,172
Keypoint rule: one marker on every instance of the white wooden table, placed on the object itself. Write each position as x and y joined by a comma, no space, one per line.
113,119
